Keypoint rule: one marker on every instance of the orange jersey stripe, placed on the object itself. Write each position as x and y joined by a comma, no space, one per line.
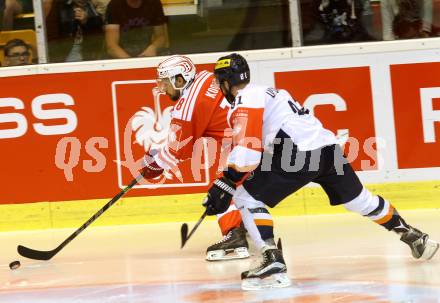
247,124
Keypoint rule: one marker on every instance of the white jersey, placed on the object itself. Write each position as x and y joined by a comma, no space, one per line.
259,113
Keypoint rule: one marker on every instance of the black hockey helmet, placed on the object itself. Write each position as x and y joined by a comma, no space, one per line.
232,68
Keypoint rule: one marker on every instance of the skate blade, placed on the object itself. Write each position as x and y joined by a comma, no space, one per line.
430,249
274,281
230,254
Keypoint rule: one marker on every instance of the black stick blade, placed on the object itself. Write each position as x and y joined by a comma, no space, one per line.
35,254
279,245
184,234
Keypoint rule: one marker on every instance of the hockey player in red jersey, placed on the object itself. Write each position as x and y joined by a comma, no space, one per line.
200,112
284,147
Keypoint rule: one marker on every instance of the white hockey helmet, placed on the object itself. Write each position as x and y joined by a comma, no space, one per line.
174,66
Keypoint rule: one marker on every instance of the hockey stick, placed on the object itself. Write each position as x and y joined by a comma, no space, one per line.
184,230
279,245
47,255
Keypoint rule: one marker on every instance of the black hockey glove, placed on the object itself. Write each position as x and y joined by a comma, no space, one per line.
219,196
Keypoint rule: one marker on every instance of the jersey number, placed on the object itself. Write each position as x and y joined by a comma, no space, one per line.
179,104
300,111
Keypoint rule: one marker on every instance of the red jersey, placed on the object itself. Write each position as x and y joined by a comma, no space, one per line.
201,112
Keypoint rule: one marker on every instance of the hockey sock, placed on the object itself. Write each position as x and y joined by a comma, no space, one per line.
386,215
263,221
378,210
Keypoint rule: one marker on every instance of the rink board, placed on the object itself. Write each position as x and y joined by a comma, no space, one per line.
184,208
71,132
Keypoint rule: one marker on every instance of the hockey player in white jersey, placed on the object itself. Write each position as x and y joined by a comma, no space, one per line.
279,147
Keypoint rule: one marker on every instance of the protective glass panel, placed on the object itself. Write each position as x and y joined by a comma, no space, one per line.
79,30
346,21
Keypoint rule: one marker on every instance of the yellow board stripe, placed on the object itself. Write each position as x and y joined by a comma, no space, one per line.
183,208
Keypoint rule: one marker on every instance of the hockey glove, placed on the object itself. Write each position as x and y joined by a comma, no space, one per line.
151,169
219,196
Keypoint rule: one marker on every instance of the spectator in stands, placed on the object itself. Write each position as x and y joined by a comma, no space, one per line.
343,21
135,28
17,52
74,30
2,9
406,19
13,8
101,6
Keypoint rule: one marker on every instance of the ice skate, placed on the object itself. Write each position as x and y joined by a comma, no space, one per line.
421,246
271,273
233,246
